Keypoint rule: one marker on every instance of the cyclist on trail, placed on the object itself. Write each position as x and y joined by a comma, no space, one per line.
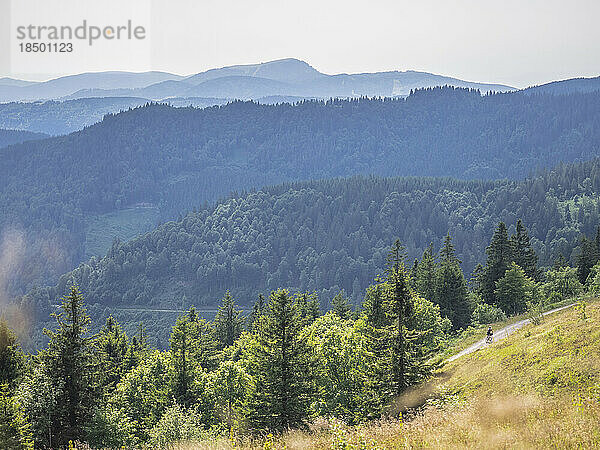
490,334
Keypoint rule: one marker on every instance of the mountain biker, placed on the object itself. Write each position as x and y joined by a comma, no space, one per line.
490,334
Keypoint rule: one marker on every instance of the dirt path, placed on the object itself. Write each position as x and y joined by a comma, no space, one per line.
501,334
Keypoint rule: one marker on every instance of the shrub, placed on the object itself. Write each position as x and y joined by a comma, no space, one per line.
485,313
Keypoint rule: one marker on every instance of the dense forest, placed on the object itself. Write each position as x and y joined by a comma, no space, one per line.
279,367
61,117
10,137
176,159
327,236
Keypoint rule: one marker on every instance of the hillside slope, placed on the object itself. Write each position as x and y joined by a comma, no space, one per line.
10,137
176,159
329,235
539,388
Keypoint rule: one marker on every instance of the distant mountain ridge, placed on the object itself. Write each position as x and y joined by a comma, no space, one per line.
285,77
570,86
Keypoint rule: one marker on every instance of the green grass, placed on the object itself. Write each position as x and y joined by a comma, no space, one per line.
537,388
101,230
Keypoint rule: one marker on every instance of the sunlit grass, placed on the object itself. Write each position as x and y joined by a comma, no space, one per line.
538,388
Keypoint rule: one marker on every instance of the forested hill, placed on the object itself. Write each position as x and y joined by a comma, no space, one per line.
174,159
329,235
10,137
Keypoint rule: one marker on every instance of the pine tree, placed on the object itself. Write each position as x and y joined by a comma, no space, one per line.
341,307
523,254
425,274
228,322
499,257
68,363
281,388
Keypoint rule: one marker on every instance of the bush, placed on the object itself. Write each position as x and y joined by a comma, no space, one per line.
485,313
177,425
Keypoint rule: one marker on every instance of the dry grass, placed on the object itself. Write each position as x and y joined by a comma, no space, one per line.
539,388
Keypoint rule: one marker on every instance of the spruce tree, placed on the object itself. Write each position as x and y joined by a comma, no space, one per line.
112,350
400,308
281,389
499,257
257,311
586,259
69,365
451,288
228,322
341,307
425,274
192,350
523,254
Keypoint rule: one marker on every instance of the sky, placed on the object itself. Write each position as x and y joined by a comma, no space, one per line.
518,43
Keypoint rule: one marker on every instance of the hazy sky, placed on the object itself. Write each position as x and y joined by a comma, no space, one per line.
515,42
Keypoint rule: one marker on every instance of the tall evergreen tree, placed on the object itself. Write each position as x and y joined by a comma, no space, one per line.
341,307
425,274
499,257
112,349
228,322
69,365
523,253
281,389
400,307
192,350
451,288
588,256
257,311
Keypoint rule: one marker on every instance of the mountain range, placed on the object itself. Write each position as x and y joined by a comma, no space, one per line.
71,195
286,77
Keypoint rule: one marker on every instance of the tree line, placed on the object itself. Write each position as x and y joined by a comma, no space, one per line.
277,368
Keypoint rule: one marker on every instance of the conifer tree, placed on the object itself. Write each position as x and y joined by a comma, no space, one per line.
374,305
69,366
281,388
257,311
451,288
400,308
499,257
112,350
192,350
523,254
425,274
228,322
341,307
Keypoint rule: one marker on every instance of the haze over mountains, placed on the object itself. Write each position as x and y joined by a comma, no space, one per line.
73,194
288,77
70,103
